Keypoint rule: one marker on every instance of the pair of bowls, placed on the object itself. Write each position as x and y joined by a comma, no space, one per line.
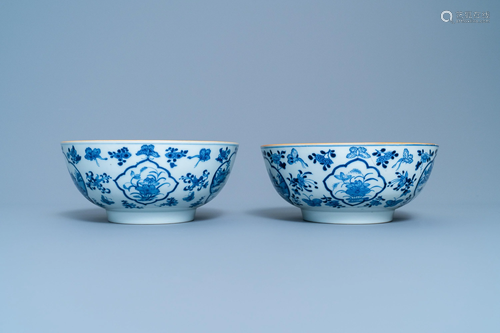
157,182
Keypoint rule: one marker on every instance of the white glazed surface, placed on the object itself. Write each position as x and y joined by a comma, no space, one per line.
351,183
149,182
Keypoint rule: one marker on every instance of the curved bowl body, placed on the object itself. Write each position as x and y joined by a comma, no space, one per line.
351,183
149,182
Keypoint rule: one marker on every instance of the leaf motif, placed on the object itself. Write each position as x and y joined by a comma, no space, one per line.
356,171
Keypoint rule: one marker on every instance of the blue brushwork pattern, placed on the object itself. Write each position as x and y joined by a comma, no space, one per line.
93,155
170,202
407,158
193,182
73,156
358,152
146,182
324,158
223,155
371,177
293,158
96,182
148,151
355,182
142,177
384,156
221,175
174,154
131,205
203,156
121,155
189,197
106,200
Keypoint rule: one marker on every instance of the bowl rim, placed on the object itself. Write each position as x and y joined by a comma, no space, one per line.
351,144
151,141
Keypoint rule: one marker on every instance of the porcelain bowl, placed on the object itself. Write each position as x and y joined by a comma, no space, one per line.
149,182
349,183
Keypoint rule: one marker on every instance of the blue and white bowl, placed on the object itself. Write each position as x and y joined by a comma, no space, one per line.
149,182
349,183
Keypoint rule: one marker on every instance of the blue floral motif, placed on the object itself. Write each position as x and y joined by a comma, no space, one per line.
384,156
358,152
301,182
131,205
355,186
404,182
424,158
295,199
189,198
106,200
203,156
328,201
221,174
174,154
140,180
93,155
223,155
275,158
375,202
324,158
219,178
392,203
170,202
94,182
360,182
407,158
146,182
293,158
147,188
148,150
312,202
73,156
77,179
195,182
279,184
197,203
121,155
277,179
424,177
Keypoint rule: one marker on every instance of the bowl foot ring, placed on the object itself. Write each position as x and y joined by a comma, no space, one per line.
145,217
348,217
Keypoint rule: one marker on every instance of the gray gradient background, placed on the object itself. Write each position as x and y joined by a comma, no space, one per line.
254,72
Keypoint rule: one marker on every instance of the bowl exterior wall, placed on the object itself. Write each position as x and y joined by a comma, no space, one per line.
130,176
371,177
